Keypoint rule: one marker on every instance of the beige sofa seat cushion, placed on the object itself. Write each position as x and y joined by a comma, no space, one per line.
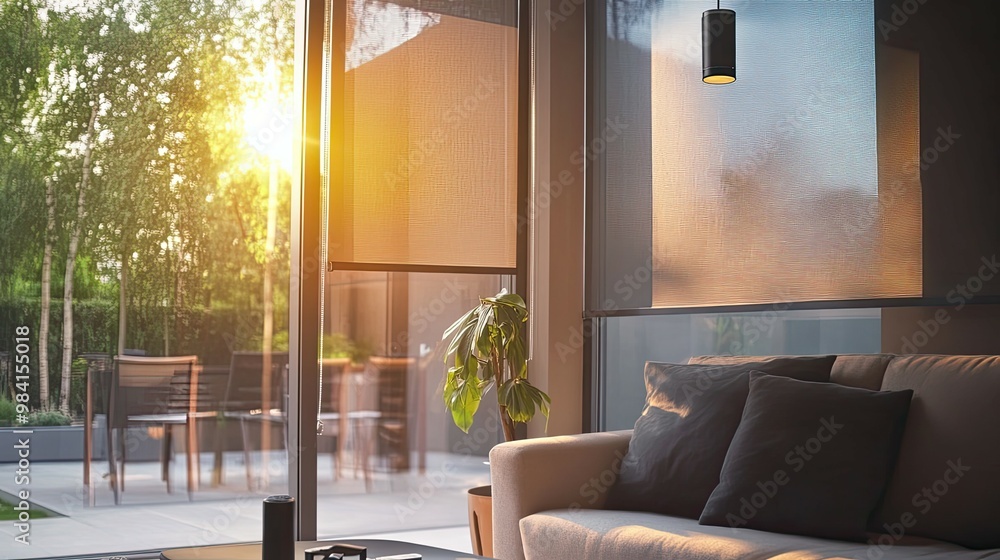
947,477
864,371
573,535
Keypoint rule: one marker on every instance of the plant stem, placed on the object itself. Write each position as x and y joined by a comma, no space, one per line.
508,425
500,366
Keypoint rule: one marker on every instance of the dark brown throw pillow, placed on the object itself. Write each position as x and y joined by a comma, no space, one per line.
680,441
809,458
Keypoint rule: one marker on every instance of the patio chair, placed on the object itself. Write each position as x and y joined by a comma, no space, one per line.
349,415
392,376
151,392
245,398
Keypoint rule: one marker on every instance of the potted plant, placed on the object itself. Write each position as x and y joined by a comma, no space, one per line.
486,348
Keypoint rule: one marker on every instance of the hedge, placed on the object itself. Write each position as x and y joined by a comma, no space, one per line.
210,334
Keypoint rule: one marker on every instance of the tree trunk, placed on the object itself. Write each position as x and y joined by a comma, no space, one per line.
74,244
43,323
267,342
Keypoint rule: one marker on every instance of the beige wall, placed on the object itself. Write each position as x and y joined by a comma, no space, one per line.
556,245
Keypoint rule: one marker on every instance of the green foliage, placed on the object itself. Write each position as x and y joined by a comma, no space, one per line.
49,418
212,335
486,346
338,345
78,387
8,513
176,193
96,331
8,412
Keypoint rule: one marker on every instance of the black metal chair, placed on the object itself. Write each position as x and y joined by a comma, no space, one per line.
246,399
349,415
155,392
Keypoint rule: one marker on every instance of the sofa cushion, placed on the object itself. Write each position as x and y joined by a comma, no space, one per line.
947,480
572,535
864,371
680,441
808,447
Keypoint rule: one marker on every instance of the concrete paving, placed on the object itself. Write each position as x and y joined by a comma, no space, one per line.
429,508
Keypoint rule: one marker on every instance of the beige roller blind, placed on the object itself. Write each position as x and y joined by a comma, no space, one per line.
430,133
800,182
794,183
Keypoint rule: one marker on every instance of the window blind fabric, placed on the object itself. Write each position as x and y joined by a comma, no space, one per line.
798,182
430,141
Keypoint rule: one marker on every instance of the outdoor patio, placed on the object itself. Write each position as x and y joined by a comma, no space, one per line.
401,504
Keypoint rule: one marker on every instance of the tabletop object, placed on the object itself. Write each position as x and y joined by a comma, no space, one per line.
376,548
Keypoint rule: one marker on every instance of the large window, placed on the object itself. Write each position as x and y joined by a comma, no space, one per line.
421,221
146,164
798,182
628,342
390,453
834,199
152,210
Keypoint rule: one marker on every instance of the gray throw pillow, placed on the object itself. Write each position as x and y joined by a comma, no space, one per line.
680,441
809,458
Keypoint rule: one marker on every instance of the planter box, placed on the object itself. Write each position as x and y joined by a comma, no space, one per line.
65,443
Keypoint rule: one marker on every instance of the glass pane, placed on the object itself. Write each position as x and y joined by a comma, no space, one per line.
430,119
628,342
798,182
390,457
146,161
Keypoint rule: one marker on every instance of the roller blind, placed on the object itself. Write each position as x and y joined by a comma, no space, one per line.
798,182
430,117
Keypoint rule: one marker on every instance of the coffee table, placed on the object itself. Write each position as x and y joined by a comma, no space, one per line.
375,548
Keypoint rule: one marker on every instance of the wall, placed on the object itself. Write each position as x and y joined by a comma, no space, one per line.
556,214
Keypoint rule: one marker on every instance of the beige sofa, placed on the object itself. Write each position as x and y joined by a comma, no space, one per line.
548,492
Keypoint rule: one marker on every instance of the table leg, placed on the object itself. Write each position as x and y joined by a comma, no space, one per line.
217,475
192,433
88,427
342,426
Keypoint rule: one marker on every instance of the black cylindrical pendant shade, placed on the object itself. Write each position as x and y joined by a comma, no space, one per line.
718,53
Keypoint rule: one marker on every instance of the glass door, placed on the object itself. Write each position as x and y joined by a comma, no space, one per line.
146,156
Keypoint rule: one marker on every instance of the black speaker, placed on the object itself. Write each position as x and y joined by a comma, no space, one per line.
279,528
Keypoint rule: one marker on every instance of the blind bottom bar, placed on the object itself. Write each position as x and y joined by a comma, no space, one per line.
333,266
790,306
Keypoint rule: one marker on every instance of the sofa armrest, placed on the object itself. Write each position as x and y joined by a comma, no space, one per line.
563,472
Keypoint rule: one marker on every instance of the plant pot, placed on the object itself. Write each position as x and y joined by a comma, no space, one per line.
481,520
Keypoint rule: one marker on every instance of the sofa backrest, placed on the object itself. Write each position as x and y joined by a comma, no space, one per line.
947,477
946,484
854,370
